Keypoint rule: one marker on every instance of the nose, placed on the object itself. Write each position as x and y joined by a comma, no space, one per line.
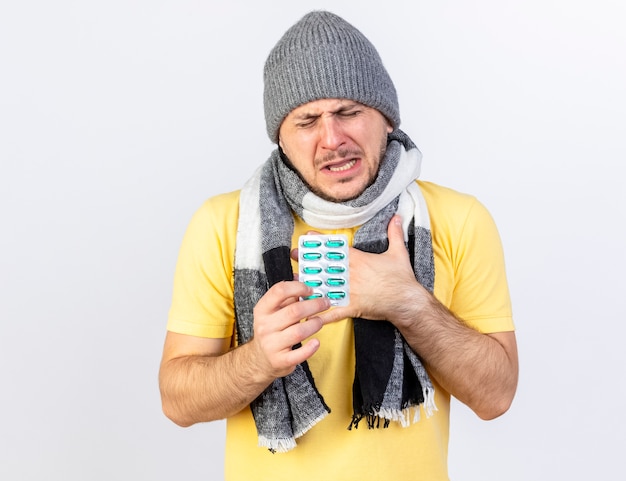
331,133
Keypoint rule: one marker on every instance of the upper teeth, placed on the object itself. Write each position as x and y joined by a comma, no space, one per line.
345,166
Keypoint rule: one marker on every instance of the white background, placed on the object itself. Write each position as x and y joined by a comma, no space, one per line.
118,118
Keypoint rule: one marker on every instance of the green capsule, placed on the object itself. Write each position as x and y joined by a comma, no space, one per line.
311,256
335,243
312,270
335,281
313,282
336,295
311,243
335,269
335,256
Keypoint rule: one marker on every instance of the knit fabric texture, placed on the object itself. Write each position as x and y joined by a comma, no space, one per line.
323,56
390,382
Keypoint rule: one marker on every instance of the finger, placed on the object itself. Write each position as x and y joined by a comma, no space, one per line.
335,314
395,233
288,316
300,331
282,294
302,353
304,310
284,341
304,298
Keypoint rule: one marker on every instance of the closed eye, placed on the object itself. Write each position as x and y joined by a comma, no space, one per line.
307,122
349,113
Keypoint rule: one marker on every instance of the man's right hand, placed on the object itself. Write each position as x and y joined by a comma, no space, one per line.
202,379
281,322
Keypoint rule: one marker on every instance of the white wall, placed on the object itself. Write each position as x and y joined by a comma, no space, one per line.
118,118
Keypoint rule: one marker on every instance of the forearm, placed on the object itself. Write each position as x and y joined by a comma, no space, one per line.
202,380
200,388
476,368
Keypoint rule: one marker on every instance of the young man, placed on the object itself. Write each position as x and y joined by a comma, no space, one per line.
429,313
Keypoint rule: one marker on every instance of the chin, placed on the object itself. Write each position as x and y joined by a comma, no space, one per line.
342,191
340,196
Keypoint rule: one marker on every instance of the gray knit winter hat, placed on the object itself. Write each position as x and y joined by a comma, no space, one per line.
323,56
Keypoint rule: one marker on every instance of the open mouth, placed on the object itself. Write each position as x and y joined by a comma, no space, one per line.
343,166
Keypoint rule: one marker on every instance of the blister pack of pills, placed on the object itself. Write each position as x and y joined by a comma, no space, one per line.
323,265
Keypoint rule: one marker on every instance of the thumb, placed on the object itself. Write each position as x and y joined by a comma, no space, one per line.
395,233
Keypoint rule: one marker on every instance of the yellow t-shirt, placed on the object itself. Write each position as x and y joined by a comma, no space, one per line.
470,280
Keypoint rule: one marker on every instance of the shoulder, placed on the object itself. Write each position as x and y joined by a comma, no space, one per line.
220,205
455,215
444,202
440,196
219,210
215,219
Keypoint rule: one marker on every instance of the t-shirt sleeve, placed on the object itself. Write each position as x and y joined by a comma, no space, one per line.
481,294
202,298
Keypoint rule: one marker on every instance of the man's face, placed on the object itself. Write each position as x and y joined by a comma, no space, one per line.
336,146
